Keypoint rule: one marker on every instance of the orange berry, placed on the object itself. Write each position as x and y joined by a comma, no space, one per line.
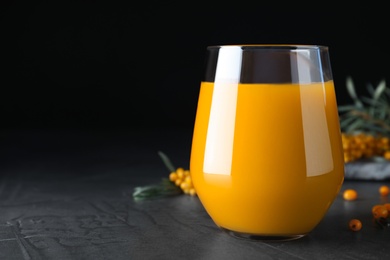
180,172
192,192
375,207
386,155
384,190
387,206
173,176
188,180
184,186
350,194
186,172
380,212
355,224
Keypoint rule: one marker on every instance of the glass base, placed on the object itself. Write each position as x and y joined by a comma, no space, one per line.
264,238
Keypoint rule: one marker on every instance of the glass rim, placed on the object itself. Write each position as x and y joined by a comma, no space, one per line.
268,63
273,46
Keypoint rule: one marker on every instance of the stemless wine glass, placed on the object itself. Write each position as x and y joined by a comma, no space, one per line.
266,157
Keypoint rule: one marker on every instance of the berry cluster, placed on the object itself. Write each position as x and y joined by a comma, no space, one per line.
182,179
362,145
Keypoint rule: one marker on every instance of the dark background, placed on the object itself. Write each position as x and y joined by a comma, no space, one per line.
121,65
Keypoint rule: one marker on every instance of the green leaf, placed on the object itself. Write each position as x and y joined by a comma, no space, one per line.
370,89
383,113
344,108
369,101
347,121
167,161
379,90
163,189
374,129
356,125
352,92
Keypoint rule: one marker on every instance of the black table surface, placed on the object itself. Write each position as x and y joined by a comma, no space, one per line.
68,195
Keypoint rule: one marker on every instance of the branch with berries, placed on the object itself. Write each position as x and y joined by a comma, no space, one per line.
178,182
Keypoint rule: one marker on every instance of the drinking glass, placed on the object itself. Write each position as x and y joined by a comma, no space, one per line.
266,157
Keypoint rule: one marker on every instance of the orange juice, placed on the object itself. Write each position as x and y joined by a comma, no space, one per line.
266,159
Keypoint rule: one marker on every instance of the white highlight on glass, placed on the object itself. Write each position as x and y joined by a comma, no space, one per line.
318,150
220,132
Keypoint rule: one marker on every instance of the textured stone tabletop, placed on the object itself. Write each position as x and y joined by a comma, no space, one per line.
68,196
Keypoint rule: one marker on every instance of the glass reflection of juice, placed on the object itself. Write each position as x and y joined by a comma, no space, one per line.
267,155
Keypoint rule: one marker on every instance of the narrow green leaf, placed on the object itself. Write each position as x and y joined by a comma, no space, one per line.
379,90
374,128
356,125
383,113
352,92
369,101
160,190
346,122
370,89
167,161
343,108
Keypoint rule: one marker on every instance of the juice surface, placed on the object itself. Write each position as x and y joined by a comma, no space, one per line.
266,158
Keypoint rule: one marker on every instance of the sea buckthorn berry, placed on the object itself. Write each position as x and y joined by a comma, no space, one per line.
178,182
374,208
184,186
355,224
192,192
350,194
380,212
180,172
188,180
387,206
173,176
386,155
384,190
